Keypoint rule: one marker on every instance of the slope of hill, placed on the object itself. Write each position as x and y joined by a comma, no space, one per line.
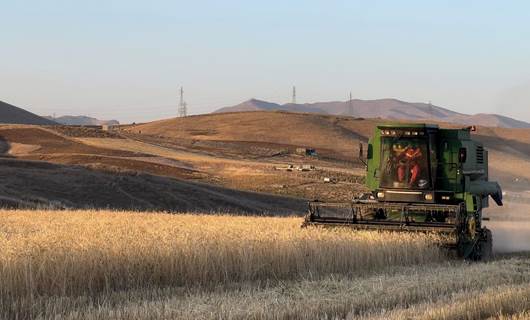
66,186
383,108
82,121
490,120
324,132
243,151
66,172
334,137
14,115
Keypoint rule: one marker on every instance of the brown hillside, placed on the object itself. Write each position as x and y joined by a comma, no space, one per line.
234,151
340,134
23,140
38,143
117,173
509,148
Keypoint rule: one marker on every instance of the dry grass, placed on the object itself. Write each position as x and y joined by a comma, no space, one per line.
90,253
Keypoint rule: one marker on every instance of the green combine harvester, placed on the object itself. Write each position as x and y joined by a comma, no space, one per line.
421,178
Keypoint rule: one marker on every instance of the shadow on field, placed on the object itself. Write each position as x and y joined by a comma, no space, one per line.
37,184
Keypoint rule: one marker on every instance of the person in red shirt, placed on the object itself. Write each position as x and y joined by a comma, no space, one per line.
408,158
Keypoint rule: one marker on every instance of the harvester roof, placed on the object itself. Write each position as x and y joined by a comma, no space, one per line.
408,125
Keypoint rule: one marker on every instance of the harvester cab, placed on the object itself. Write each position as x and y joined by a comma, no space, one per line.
421,178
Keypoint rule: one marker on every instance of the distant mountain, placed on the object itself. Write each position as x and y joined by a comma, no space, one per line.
260,105
82,121
15,115
383,108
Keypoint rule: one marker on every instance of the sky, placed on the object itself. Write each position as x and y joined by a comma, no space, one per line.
126,59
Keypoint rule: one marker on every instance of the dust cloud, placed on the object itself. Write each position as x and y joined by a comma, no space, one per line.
510,226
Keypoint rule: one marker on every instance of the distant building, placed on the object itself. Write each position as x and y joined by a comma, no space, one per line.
306,152
108,127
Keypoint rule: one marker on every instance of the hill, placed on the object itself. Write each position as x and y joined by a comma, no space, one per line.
15,115
383,108
338,135
82,121
65,172
243,151
335,137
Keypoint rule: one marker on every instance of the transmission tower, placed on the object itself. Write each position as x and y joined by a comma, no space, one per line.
431,110
293,101
182,107
350,105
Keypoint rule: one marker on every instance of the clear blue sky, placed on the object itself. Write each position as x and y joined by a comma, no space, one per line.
125,59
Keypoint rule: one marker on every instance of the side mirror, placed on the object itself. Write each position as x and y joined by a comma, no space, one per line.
361,153
361,150
462,155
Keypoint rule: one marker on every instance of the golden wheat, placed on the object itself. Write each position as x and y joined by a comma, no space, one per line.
129,265
69,253
450,290
524,315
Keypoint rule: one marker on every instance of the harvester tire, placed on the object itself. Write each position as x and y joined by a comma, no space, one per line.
483,247
486,245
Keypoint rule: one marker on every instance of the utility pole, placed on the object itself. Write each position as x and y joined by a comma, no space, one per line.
293,101
182,107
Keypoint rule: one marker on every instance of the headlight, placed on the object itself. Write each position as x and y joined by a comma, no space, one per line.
428,196
380,194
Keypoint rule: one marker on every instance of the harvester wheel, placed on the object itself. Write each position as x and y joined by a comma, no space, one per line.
486,245
481,249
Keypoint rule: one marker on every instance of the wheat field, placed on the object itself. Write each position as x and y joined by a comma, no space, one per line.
130,265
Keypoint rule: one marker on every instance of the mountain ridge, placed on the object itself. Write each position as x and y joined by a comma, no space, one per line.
81,120
387,108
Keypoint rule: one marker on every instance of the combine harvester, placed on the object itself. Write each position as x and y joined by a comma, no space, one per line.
421,179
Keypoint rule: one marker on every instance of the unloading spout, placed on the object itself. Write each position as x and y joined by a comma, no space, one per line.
487,188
